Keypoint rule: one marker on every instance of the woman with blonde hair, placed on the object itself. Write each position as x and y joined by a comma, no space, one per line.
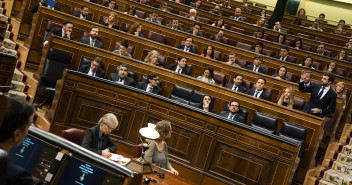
339,89
152,58
157,153
111,21
287,98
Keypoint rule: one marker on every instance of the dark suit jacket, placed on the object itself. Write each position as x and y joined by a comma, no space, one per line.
85,69
55,31
287,58
178,27
327,104
143,86
240,88
116,26
188,16
262,96
214,39
79,15
237,117
260,70
239,18
97,43
17,175
191,32
128,80
36,6
182,47
173,67
91,140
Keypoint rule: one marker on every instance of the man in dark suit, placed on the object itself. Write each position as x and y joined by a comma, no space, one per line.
237,84
92,39
258,48
306,76
278,27
43,3
93,69
188,45
284,54
195,31
174,24
64,32
180,66
237,15
84,13
321,49
258,59
97,140
219,37
233,113
216,10
121,77
322,99
151,85
16,120
259,91
154,18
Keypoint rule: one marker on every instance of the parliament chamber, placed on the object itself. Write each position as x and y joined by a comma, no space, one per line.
205,147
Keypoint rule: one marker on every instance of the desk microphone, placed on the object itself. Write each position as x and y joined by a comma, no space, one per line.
161,175
147,180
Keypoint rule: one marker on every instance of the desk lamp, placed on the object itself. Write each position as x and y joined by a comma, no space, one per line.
139,164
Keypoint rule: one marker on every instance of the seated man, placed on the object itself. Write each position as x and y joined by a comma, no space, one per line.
219,37
306,76
321,49
121,77
322,99
245,8
278,27
18,116
284,53
174,24
259,91
337,31
315,26
233,113
349,44
97,140
188,45
258,59
180,66
163,7
195,31
112,5
237,84
151,85
216,10
258,48
143,2
123,49
321,18
93,69
84,13
155,16
237,15
43,3
192,15
64,32
92,39
232,59
226,4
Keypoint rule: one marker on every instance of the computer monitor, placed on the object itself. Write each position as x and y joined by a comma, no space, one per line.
35,155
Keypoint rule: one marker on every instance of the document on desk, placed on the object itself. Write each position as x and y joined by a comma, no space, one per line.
115,157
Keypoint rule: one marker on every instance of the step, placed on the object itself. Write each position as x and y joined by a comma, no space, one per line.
33,85
42,122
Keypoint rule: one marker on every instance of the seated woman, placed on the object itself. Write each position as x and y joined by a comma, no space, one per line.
287,98
342,55
281,73
260,33
131,11
331,68
281,39
307,62
297,43
111,21
136,29
157,153
301,13
262,13
339,89
208,52
208,75
152,58
207,104
97,140
260,23
219,22
123,49
198,4
258,48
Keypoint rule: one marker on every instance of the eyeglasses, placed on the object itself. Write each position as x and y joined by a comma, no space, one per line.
111,129
156,79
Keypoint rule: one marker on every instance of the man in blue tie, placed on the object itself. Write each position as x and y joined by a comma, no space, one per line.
322,99
258,92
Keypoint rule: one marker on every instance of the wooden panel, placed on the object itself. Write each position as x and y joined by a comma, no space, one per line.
7,68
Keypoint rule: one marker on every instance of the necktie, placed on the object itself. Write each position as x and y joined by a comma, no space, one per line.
179,70
92,43
150,89
255,68
94,74
65,36
234,87
320,93
120,79
256,94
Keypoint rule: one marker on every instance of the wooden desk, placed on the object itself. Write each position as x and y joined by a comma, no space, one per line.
7,68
